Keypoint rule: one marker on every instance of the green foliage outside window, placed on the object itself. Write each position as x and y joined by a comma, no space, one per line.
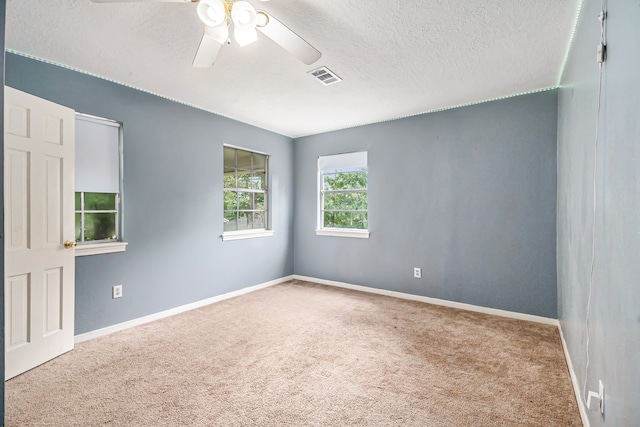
345,201
96,216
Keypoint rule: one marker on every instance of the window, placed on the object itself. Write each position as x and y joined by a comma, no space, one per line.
245,194
343,202
98,186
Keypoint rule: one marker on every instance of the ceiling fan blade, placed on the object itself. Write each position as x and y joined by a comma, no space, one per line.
290,41
207,52
141,1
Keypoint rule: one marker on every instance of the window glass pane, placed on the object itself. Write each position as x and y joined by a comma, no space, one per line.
244,159
259,201
245,220
259,220
342,219
230,200
258,180
345,201
78,201
229,157
359,220
100,226
345,181
99,202
329,220
244,201
229,178
78,227
244,179
230,223
259,162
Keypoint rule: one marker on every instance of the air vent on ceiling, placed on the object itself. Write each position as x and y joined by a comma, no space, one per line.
325,76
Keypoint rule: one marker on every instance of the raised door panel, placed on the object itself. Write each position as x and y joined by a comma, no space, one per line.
17,319
17,220
53,194
52,301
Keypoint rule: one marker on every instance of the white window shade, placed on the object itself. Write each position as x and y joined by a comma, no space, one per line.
343,161
97,155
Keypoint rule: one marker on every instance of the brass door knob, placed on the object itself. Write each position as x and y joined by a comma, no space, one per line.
69,245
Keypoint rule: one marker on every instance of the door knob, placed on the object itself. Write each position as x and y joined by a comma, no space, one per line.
69,245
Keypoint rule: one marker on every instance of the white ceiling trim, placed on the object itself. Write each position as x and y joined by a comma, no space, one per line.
77,70
572,37
435,110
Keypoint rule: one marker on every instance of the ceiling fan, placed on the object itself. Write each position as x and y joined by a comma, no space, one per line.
218,16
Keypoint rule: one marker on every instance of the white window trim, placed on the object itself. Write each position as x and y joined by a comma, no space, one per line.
343,232
100,248
245,234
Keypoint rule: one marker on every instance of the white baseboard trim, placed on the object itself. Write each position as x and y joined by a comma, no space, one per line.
435,301
173,311
574,381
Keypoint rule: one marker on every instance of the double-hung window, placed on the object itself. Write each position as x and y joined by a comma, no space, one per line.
98,201
246,211
343,195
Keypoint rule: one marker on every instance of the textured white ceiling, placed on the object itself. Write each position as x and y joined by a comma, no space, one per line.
397,58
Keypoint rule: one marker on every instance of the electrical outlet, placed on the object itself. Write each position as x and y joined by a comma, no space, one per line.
417,272
595,401
117,291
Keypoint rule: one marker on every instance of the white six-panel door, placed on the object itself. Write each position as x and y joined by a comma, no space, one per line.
39,217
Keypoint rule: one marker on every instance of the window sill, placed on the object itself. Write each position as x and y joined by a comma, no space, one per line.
246,234
338,232
100,248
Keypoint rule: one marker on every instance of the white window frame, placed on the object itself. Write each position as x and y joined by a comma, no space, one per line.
256,232
107,246
343,161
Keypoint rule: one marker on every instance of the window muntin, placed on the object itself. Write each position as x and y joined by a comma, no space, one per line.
343,192
98,180
245,190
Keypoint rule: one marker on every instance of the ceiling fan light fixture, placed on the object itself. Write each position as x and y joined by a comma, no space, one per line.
244,20
212,12
245,37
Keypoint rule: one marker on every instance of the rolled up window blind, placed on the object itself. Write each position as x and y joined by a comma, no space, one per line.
343,161
97,155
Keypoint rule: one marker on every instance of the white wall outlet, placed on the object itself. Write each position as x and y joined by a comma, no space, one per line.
417,272
595,401
117,291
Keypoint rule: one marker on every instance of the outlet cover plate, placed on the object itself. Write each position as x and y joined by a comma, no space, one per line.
417,272
117,291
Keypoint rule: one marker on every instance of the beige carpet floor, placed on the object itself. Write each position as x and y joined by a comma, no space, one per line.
301,354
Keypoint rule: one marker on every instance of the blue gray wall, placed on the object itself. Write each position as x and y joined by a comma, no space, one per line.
614,320
173,200
468,195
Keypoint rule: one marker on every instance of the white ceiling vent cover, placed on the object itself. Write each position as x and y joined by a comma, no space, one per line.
325,76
